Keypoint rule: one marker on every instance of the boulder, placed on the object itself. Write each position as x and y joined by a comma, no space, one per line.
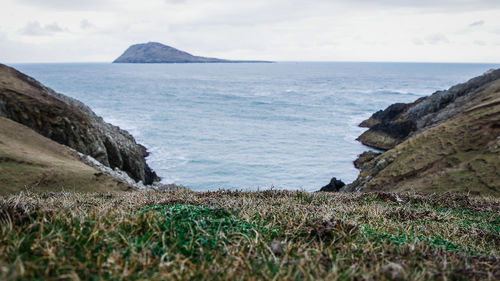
334,185
365,157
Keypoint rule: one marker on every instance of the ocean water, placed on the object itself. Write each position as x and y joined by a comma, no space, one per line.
248,126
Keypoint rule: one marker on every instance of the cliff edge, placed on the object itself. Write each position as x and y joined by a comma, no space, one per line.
449,141
400,121
70,122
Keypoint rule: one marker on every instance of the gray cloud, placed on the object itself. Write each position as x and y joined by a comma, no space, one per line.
257,29
85,24
53,27
175,1
436,38
83,5
479,43
477,23
418,41
447,5
36,29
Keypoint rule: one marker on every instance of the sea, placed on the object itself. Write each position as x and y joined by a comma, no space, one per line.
248,126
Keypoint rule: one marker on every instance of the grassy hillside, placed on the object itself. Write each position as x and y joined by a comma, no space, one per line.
30,161
461,154
68,121
266,235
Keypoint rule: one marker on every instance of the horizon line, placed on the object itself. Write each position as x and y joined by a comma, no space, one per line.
273,61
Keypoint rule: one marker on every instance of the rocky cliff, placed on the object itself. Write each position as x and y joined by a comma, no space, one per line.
400,121
449,141
153,52
70,122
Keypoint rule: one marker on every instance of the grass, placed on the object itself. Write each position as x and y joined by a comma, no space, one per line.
27,159
271,235
193,228
459,155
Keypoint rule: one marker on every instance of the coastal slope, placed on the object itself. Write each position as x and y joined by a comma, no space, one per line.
154,52
400,121
30,161
69,122
449,141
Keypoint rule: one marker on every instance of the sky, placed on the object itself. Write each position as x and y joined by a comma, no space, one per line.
278,30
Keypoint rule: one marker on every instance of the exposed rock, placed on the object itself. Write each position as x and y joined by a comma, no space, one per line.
394,271
365,157
277,248
454,148
153,52
334,185
116,173
70,122
390,114
124,177
400,121
386,135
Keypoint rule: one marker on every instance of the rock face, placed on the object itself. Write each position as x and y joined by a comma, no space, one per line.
452,144
334,185
400,121
154,52
365,157
70,122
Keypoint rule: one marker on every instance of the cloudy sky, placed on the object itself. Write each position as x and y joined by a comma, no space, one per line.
281,30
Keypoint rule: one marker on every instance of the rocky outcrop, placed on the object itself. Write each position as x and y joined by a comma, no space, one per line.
365,157
453,143
70,122
399,122
334,185
124,177
153,52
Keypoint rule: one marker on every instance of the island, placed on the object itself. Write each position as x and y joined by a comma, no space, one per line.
154,52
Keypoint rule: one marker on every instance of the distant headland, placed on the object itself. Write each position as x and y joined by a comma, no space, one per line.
154,52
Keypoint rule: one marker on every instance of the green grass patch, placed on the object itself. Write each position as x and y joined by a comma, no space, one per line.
195,231
383,237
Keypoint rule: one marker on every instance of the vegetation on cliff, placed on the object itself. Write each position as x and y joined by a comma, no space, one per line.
453,142
29,161
249,236
398,122
70,122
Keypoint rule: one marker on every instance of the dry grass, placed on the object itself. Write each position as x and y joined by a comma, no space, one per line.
271,235
29,160
459,155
